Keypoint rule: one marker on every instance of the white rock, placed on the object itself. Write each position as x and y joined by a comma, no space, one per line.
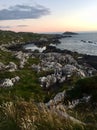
7,83
11,66
59,98
15,79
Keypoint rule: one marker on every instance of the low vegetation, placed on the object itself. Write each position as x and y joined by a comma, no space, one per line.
86,86
21,115
19,105
7,37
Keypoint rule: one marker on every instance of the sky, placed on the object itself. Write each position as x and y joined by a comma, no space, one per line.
48,15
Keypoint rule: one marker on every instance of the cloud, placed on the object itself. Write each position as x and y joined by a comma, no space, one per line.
22,26
6,27
3,27
23,12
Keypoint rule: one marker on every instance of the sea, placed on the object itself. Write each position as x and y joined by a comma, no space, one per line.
83,43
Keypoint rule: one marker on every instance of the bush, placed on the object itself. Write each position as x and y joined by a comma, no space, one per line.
86,86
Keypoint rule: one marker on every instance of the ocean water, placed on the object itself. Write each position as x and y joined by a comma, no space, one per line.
84,43
33,47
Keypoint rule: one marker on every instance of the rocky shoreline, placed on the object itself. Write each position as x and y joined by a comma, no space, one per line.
51,61
28,75
91,60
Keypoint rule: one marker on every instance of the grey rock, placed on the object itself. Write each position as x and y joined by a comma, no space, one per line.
15,79
11,67
2,66
6,83
23,57
59,98
62,66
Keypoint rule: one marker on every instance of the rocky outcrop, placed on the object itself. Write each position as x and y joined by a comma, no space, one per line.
7,83
15,79
58,99
2,66
22,57
49,80
62,67
56,105
11,67
43,39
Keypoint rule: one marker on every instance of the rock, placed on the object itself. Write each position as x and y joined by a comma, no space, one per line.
56,106
11,66
43,39
6,83
22,57
61,68
22,63
83,41
59,98
19,55
15,79
70,60
90,41
63,79
9,82
48,81
43,81
69,68
2,66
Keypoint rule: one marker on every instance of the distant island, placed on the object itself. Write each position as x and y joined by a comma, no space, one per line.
70,33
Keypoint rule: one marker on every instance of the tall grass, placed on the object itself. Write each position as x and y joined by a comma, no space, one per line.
22,115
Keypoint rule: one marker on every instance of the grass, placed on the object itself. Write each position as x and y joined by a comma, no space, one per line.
22,115
6,57
28,86
19,109
84,113
7,37
86,86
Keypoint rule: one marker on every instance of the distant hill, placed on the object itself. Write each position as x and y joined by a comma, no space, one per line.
13,37
70,33
22,37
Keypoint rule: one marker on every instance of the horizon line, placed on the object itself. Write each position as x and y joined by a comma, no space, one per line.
50,32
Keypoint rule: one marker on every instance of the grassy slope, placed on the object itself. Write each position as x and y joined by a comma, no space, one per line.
28,88
21,37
